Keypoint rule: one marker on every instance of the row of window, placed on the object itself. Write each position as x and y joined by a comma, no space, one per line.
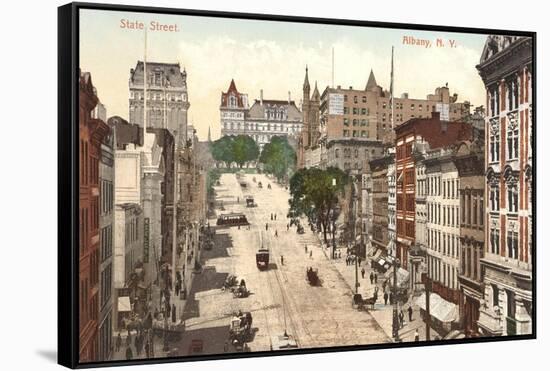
470,262
511,243
107,196
512,144
89,166
403,151
131,231
446,215
106,242
356,122
348,152
260,127
356,111
172,97
356,133
444,243
472,210
106,284
511,201
442,272
511,88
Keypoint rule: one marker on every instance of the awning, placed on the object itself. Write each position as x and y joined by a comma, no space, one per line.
402,277
124,304
440,308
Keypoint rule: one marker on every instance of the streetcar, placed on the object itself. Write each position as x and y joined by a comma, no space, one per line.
250,201
262,259
232,219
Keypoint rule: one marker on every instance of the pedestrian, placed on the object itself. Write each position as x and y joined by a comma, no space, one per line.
371,276
271,216
363,272
282,260
391,297
376,278
168,308
173,313
118,342
266,226
129,339
401,318
305,248
275,216
384,285
287,227
177,288
237,199
276,233
225,347
385,298
311,254
410,310
359,260
138,345
416,335
129,354
147,350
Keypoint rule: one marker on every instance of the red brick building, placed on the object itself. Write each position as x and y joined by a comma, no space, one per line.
437,134
506,70
91,133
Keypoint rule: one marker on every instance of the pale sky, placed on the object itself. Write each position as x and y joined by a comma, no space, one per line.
271,56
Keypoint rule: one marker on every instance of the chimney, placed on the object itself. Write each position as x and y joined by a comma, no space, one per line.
289,97
261,96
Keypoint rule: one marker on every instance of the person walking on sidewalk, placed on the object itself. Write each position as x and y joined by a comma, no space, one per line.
118,342
363,272
371,277
416,335
173,313
129,354
282,260
376,278
410,310
266,226
129,339
401,318
276,233
311,254
305,248
386,298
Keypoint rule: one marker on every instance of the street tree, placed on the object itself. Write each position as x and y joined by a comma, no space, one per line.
244,149
222,150
315,194
278,157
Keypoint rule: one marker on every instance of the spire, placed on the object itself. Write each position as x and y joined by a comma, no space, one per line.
371,83
232,86
306,81
316,96
209,136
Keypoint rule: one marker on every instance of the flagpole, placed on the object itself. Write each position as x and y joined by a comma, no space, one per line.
145,84
391,91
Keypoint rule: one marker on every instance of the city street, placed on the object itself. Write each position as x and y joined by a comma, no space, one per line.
281,297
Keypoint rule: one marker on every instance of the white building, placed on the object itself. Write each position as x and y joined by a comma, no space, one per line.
391,205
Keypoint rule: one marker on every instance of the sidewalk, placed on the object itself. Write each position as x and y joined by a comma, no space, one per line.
383,314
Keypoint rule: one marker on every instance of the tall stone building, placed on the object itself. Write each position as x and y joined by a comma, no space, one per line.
506,70
261,121
91,133
469,161
106,239
167,99
308,154
380,238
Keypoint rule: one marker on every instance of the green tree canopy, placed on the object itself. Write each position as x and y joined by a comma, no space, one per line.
315,194
245,149
222,150
278,157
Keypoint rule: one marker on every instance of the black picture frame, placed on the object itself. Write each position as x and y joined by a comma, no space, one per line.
68,187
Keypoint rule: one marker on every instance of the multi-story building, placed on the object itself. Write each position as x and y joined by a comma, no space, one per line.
351,155
436,133
391,203
469,162
128,260
261,121
91,133
443,225
417,254
106,237
380,232
167,99
506,70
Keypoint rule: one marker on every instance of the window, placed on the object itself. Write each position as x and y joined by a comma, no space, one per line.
512,140
364,99
495,241
512,244
494,289
512,198
346,121
510,304
495,101
346,133
513,96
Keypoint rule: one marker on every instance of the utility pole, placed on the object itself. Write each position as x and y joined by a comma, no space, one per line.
428,286
354,220
395,322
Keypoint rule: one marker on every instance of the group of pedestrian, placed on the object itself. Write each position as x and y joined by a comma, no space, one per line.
374,278
273,216
350,259
141,343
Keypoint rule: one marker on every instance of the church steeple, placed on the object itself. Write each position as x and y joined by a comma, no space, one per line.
316,96
209,136
306,87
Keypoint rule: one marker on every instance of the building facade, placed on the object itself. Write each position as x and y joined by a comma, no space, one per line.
261,121
391,203
506,70
380,238
91,134
469,162
167,99
435,133
106,240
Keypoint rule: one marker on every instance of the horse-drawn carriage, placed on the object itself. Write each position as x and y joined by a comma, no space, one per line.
238,290
362,303
312,276
240,329
250,201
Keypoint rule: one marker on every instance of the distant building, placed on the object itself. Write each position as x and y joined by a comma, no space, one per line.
261,121
506,70
167,99
309,151
380,238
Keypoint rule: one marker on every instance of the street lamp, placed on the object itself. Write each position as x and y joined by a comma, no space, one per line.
395,322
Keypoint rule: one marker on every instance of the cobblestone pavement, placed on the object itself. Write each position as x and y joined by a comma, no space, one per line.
281,298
